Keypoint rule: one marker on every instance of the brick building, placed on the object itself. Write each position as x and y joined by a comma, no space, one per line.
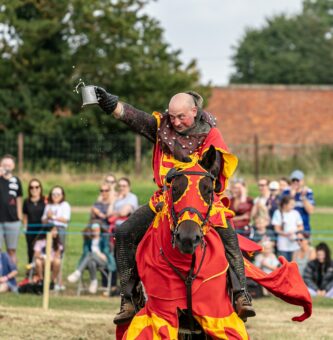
300,115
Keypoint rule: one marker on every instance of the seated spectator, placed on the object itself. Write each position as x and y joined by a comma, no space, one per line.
318,274
125,204
304,254
260,231
260,203
102,208
241,204
274,197
96,254
287,222
57,212
267,260
40,255
33,208
8,271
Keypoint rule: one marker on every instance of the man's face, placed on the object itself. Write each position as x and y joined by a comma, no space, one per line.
182,113
8,164
263,186
296,184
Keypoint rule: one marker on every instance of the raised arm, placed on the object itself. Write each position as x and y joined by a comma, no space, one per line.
138,121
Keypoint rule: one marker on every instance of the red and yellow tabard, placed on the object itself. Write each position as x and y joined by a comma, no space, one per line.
163,162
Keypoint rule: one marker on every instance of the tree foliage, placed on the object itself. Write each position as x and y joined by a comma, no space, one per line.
288,49
46,46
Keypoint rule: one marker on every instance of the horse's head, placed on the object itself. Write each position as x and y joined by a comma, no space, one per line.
192,190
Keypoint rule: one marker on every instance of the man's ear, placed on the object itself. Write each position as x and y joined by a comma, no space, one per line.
209,158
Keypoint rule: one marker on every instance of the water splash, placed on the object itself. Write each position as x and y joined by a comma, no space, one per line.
80,83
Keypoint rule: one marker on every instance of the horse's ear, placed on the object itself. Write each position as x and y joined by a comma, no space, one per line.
209,158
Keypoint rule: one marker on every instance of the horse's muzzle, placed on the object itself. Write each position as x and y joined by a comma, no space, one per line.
188,237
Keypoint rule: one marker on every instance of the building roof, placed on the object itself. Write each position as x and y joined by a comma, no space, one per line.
277,114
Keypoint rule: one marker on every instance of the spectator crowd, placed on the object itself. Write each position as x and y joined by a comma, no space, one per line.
278,219
41,214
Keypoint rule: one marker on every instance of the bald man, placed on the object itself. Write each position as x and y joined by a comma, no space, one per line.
183,131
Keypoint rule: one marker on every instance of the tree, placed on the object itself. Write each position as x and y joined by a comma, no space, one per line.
47,46
287,50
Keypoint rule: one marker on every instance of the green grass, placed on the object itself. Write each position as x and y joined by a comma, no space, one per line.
83,190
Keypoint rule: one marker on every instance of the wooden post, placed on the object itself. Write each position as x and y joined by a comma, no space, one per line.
20,148
138,154
256,157
47,271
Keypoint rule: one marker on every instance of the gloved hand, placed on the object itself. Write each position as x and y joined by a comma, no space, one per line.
107,101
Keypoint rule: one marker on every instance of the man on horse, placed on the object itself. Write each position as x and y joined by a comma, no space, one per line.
184,131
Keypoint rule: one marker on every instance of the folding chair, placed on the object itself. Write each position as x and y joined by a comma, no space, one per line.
82,287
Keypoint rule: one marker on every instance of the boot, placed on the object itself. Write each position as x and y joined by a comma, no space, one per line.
127,312
243,305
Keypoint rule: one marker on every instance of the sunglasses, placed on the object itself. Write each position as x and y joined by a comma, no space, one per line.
34,187
56,194
295,180
104,190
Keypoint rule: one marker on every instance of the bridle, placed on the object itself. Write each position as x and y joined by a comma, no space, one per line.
171,175
191,275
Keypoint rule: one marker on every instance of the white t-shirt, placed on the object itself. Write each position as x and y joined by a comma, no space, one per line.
130,199
62,209
289,222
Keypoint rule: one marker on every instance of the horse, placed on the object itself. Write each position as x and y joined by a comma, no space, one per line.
181,261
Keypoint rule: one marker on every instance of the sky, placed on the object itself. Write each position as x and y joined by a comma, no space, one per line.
206,30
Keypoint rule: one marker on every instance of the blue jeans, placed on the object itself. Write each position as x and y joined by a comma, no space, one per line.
288,255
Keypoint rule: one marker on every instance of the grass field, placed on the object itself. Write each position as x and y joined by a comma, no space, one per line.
89,317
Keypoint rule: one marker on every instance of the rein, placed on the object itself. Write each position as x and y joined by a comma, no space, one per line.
188,280
191,276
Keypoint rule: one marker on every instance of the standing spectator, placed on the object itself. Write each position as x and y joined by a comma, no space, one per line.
102,208
260,202
318,274
274,198
241,204
57,212
287,222
304,254
40,254
303,197
33,208
10,206
8,271
284,184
